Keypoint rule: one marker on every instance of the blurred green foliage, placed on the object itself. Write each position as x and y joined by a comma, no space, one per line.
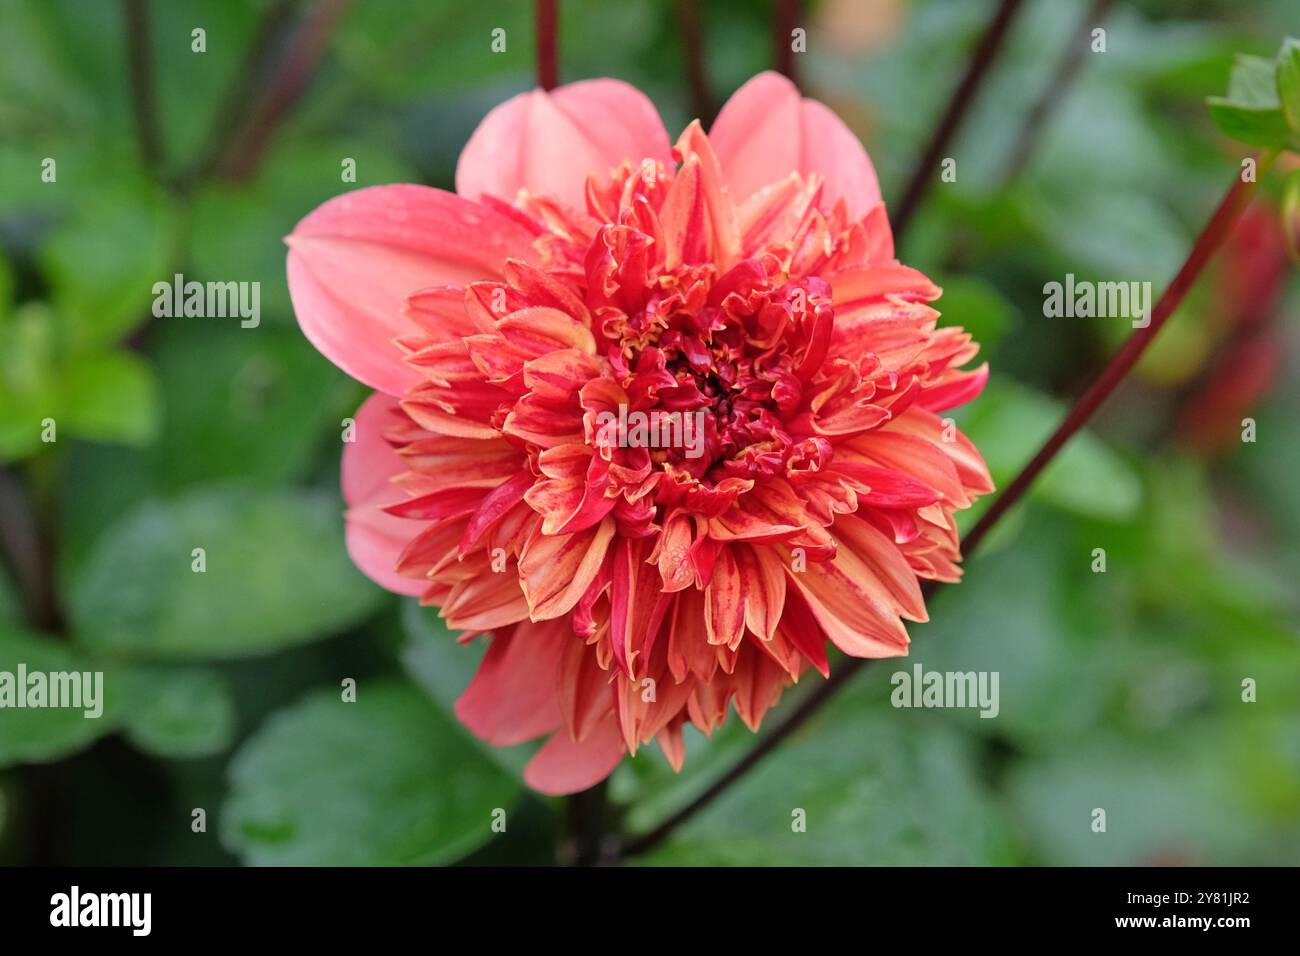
1120,690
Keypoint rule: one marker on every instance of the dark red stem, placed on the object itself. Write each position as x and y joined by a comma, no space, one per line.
548,76
27,544
923,174
697,78
783,25
285,87
252,70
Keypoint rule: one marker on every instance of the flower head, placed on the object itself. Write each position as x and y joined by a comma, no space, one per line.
735,295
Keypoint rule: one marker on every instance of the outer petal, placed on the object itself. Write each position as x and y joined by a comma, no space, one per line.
563,766
513,697
551,142
374,537
767,130
355,259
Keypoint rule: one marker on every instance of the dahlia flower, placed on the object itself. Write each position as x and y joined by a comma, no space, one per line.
586,267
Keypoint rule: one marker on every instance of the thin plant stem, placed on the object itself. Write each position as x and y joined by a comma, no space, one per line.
288,83
1063,76
548,72
225,120
697,78
27,543
586,844
783,25
986,51
144,104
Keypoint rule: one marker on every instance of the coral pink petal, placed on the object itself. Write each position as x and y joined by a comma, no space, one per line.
375,538
374,541
369,462
354,261
767,129
563,766
549,143
513,696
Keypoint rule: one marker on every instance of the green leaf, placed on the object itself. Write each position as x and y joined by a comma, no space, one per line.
1054,680
98,484
41,735
1255,126
387,780
872,785
10,602
39,98
1252,82
1288,82
95,393
1251,112
28,387
102,263
6,284
109,396
267,404
182,712
1166,801
277,574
